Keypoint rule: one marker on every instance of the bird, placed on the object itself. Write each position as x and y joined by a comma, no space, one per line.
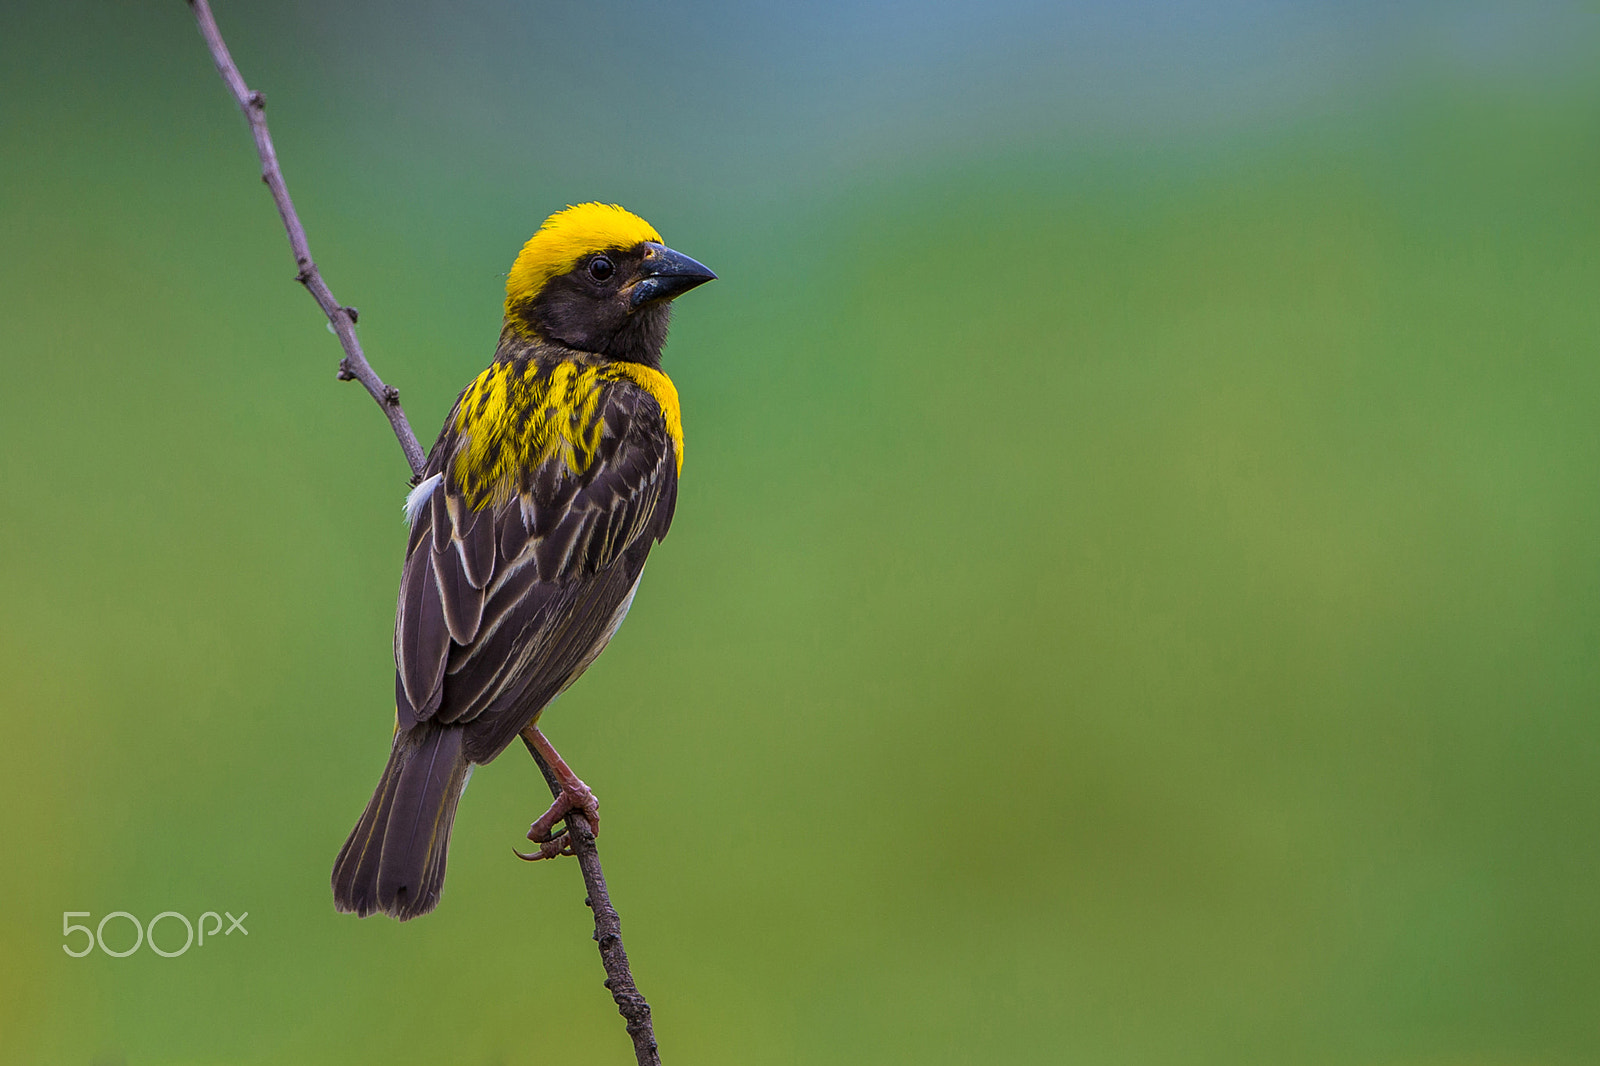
554,475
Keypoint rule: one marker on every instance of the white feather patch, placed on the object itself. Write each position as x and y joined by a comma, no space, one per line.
622,610
417,498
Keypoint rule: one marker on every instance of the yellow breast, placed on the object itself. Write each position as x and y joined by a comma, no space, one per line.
512,419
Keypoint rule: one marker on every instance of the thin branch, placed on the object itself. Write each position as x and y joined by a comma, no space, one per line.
607,928
607,925
343,319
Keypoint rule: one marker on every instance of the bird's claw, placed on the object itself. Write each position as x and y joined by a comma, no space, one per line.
542,831
549,849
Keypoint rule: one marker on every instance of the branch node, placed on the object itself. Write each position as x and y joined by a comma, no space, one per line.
355,315
391,396
257,101
345,373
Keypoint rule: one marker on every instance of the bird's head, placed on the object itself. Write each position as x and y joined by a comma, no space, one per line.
598,279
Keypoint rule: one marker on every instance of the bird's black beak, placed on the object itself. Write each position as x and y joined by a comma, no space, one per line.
665,274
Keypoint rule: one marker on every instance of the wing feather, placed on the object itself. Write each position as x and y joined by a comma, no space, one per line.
461,602
474,540
513,532
421,638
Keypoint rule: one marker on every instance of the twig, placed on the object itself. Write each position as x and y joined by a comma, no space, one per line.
341,318
607,925
607,928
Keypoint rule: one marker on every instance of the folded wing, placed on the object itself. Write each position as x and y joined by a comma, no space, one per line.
502,608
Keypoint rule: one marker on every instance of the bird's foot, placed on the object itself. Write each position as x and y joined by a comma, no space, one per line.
575,797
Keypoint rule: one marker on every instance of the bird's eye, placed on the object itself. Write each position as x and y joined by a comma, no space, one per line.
601,268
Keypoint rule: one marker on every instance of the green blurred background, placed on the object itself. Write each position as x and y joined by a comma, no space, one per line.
1134,596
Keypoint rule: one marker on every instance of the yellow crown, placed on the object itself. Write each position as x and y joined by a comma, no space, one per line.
565,238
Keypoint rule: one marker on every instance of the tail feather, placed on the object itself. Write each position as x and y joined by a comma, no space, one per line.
394,860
